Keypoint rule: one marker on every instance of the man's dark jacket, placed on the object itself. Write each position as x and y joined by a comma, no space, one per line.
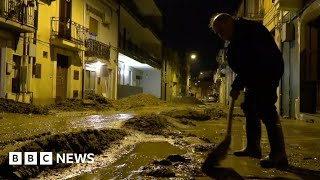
254,56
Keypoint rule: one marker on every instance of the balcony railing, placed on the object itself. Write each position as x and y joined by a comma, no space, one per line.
134,50
68,30
19,11
97,49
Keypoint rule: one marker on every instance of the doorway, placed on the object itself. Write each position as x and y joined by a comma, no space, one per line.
62,76
310,69
90,82
16,80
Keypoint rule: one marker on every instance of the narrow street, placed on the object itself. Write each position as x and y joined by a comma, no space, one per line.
159,89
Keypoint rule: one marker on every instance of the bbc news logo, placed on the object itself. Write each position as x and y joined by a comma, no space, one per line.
46,158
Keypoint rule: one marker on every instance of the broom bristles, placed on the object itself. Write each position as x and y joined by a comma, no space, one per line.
217,154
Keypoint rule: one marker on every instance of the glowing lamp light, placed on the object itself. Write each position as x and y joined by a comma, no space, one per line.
193,56
98,64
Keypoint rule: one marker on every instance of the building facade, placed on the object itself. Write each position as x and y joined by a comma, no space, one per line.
57,49
60,44
140,53
101,17
295,26
176,74
18,23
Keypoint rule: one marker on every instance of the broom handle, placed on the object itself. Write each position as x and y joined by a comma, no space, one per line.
230,117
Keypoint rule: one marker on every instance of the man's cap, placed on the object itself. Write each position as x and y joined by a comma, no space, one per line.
215,17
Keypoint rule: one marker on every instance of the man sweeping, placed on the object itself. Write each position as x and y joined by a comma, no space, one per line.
254,56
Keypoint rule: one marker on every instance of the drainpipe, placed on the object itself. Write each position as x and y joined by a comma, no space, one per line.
117,55
82,53
24,62
3,61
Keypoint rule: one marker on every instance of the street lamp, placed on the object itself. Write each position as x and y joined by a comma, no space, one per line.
201,73
193,56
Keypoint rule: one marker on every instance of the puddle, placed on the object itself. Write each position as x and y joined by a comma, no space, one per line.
99,121
128,166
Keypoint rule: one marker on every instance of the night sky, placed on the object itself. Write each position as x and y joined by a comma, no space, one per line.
186,27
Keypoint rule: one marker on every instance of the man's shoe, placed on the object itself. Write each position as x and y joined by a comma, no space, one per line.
277,162
249,152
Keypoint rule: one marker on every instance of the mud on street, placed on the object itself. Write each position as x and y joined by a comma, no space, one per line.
143,137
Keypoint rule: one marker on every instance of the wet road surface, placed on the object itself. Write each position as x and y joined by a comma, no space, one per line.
302,143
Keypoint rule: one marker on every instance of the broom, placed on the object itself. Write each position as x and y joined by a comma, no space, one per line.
219,153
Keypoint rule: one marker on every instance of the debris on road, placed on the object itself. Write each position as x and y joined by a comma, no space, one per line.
158,171
203,148
220,112
187,114
215,113
95,102
136,101
205,139
178,158
68,105
94,141
11,106
22,139
187,100
174,165
149,123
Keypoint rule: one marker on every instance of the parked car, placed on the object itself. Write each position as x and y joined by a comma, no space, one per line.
213,98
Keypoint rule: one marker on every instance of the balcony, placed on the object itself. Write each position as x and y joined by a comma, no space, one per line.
18,15
289,5
131,49
68,34
97,49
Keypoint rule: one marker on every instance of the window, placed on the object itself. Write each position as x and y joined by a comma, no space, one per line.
45,54
36,70
93,27
76,75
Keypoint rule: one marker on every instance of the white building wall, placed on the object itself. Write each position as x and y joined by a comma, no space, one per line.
124,78
151,82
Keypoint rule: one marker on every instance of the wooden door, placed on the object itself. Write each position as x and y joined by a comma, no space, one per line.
62,76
